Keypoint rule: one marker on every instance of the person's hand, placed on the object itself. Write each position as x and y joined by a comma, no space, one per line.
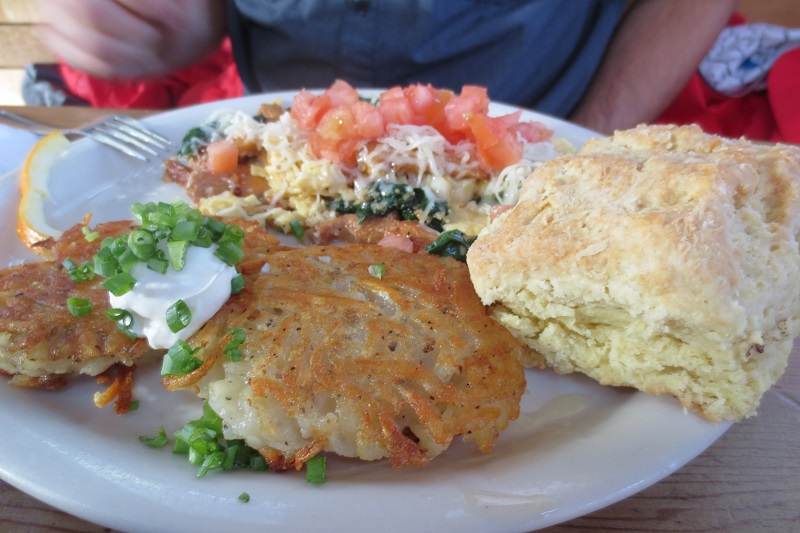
131,38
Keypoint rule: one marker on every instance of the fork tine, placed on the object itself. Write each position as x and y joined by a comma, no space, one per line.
140,127
101,137
145,136
123,138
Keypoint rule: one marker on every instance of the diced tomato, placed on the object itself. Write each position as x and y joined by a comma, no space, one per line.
497,144
392,240
308,109
342,93
497,210
472,101
420,98
222,157
336,138
337,124
340,122
395,107
533,132
369,121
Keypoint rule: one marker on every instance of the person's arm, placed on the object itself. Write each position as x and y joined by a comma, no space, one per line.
653,54
131,38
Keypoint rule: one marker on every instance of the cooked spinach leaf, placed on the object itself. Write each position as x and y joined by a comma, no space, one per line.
451,243
407,201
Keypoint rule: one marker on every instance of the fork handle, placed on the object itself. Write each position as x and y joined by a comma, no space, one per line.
41,128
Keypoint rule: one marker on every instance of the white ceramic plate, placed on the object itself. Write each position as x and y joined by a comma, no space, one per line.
576,447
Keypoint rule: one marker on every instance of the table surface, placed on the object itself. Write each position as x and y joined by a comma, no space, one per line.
748,481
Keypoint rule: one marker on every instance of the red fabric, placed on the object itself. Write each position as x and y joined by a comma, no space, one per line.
747,116
783,89
769,115
213,79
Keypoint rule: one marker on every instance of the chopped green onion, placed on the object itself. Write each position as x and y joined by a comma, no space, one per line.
231,350
158,441
177,253
119,284
89,235
180,360
142,243
178,316
105,263
204,238
185,230
85,272
124,320
158,264
315,470
79,306
126,260
215,227
134,405
123,316
234,234
204,444
297,228
211,461
229,253
237,284
377,271
244,497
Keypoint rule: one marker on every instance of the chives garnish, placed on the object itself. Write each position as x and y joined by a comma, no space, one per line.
185,230
177,253
205,446
89,235
244,497
119,284
158,441
377,271
231,350
85,272
124,320
178,316
105,263
297,228
142,243
180,360
126,260
315,470
229,253
79,306
237,284
158,264
216,227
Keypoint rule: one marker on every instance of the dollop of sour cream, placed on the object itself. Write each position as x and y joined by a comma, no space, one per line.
204,284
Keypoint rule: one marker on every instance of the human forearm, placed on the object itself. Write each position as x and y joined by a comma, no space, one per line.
131,38
653,54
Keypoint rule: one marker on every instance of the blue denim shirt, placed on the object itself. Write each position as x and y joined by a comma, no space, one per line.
539,54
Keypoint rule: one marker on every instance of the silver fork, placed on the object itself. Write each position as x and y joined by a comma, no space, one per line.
122,133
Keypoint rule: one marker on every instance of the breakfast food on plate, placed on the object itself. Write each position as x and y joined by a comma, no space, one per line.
661,258
361,350
421,159
42,341
53,321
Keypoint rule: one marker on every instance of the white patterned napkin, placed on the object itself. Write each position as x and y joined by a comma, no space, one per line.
742,56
